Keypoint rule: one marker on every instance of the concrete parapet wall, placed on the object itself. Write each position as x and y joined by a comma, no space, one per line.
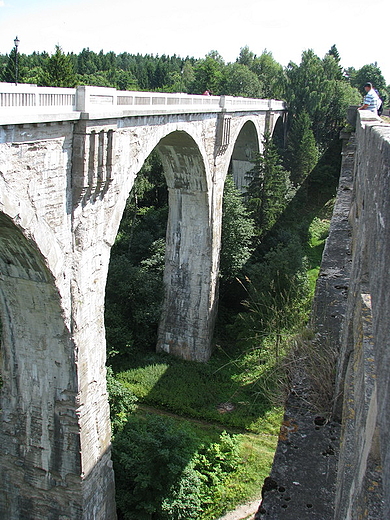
362,381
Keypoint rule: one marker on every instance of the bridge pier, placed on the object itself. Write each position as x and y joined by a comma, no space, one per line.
191,260
42,473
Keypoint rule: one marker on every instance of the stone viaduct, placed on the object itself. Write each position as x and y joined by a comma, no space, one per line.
68,160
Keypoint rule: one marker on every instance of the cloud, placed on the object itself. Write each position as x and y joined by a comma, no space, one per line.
2,3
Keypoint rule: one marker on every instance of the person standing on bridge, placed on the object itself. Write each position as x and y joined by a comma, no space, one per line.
371,100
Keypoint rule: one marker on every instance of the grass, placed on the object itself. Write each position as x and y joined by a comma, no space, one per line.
256,454
318,233
228,390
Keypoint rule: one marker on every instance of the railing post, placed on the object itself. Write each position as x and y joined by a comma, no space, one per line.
81,95
222,102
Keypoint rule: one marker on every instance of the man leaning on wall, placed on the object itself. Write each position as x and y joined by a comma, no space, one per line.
371,100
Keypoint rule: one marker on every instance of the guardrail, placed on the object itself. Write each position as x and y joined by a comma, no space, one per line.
21,102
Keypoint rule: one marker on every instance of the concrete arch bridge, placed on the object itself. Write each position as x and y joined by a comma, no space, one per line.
68,161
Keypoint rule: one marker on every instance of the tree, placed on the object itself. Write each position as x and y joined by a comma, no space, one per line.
334,53
60,71
237,231
270,74
246,57
238,80
302,153
9,73
208,74
315,86
150,457
269,187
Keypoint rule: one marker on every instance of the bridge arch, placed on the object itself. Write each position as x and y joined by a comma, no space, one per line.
246,145
186,322
38,439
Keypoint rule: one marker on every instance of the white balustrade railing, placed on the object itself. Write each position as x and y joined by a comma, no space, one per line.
26,100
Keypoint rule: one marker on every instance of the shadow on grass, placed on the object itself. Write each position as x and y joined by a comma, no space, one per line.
228,390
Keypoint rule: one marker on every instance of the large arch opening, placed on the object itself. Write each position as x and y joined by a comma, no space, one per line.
187,312
40,448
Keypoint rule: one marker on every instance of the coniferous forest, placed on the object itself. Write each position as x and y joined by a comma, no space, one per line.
193,440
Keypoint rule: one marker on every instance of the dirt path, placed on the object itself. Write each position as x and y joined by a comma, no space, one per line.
245,512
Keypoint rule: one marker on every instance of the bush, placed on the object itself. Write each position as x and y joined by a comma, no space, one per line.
218,459
122,400
152,468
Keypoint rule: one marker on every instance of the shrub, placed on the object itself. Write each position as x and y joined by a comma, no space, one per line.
122,400
151,457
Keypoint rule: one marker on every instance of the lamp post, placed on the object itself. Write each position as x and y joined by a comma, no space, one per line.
16,42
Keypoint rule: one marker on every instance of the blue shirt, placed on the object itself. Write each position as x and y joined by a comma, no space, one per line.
372,100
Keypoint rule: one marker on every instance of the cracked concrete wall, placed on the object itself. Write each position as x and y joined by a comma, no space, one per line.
362,383
53,463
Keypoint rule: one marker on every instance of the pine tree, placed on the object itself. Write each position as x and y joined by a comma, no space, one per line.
302,153
60,71
9,73
268,188
237,231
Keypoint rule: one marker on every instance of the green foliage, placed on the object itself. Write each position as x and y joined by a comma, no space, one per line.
318,232
134,289
315,86
204,391
59,70
270,74
218,459
237,231
185,499
169,469
301,154
208,75
238,80
269,188
278,297
370,73
150,455
122,400
9,68
134,296
256,454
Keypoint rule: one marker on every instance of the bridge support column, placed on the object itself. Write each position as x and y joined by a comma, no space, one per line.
191,270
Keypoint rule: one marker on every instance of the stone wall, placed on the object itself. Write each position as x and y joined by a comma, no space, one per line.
320,471
362,382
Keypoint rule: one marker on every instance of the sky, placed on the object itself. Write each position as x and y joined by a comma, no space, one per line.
188,28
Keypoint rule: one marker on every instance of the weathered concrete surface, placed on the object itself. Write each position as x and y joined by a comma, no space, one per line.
363,371
351,318
63,189
55,431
